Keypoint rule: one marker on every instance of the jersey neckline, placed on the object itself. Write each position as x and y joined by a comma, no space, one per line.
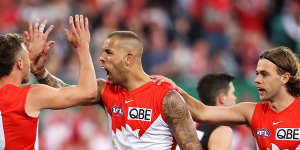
138,89
286,109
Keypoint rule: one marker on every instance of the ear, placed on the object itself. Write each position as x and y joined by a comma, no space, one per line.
129,59
285,78
19,63
220,99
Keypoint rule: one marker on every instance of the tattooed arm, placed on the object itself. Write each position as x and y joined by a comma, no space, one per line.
180,122
44,77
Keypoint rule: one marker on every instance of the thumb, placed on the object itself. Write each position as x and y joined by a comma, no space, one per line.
49,45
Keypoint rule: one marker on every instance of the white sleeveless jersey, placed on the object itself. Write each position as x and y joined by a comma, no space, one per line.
136,118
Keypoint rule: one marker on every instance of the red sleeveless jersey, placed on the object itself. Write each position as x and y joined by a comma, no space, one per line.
136,117
277,131
18,131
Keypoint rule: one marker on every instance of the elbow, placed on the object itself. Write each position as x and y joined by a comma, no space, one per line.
92,94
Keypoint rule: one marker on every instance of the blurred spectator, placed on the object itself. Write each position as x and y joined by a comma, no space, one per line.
252,14
214,15
183,39
285,28
9,16
199,64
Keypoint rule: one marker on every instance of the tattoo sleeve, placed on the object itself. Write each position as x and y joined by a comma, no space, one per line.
52,81
180,122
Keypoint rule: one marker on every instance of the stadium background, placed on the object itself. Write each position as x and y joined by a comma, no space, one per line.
183,39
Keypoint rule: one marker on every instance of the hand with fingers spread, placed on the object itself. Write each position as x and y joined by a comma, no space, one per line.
80,34
36,39
37,44
158,79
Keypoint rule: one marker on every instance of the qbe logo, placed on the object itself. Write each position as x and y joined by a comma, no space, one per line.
288,134
117,111
262,133
143,114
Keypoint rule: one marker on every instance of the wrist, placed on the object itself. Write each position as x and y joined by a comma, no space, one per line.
41,74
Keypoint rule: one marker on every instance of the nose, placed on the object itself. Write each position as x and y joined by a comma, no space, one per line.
257,79
101,58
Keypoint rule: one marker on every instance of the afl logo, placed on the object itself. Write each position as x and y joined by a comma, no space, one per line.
262,133
117,111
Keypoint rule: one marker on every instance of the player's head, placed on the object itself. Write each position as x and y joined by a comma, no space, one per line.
14,56
216,89
122,53
277,69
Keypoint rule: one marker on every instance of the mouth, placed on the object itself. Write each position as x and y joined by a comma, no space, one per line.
108,74
261,90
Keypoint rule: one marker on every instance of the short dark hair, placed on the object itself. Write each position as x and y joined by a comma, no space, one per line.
10,45
211,85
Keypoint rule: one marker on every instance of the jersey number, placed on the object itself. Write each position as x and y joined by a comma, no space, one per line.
2,138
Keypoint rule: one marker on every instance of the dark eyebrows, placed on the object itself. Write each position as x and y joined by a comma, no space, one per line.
262,72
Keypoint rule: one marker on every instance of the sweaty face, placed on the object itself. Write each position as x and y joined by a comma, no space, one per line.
230,98
111,60
268,80
26,64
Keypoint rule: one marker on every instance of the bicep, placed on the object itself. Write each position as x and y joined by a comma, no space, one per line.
45,97
179,121
220,138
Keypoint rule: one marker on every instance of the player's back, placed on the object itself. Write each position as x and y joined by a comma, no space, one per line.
17,129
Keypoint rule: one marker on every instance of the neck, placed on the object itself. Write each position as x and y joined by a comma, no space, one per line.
281,101
10,79
134,79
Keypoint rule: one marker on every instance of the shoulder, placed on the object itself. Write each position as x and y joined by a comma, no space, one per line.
101,84
165,85
172,96
174,105
224,130
37,90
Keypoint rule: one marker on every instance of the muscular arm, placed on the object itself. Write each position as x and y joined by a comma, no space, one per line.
55,82
50,80
180,122
220,138
226,115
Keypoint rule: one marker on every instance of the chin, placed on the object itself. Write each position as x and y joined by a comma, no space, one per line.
264,98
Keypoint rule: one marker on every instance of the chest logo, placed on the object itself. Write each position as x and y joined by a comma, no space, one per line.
142,114
262,133
117,111
128,101
288,134
275,123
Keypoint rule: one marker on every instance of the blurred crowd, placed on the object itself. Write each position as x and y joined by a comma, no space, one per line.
183,39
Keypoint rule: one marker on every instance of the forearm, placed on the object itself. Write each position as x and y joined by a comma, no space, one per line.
87,77
194,105
45,77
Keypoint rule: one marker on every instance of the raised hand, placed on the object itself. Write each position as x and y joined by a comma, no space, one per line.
36,39
37,44
80,34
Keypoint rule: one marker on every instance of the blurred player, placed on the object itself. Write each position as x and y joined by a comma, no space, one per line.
274,122
142,115
20,106
216,90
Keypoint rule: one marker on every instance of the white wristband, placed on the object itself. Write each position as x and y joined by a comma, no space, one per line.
43,76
